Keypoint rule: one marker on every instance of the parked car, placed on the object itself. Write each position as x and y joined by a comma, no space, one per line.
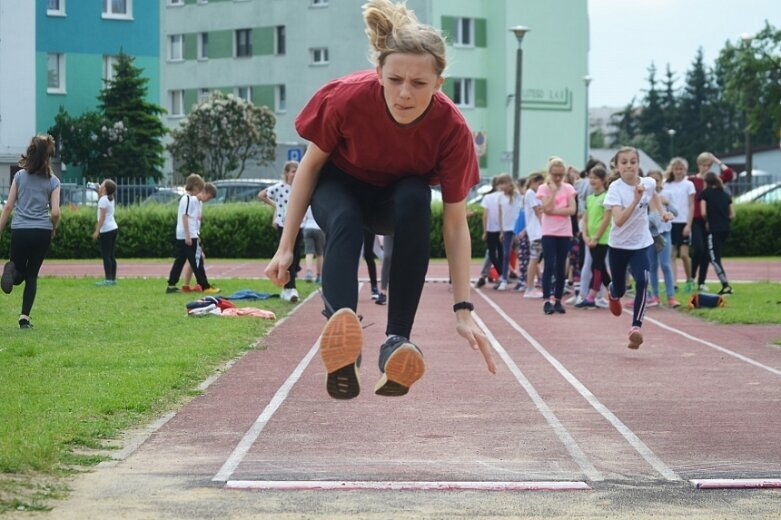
134,193
72,194
768,193
164,196
240,190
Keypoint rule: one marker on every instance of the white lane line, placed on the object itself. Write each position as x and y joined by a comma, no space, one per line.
628,434
301,485
564,436
714,346
736,483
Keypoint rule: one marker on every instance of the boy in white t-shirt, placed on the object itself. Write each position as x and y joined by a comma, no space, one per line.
628,200
208,193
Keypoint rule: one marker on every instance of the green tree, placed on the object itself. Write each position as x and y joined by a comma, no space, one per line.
670,112
694,111
650,120
625,124
597,139
140,154
221,134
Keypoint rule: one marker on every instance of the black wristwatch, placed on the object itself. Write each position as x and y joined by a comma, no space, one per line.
463,305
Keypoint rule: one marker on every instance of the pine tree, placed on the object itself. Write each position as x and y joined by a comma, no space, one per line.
123,100
694,111
670,111
651,118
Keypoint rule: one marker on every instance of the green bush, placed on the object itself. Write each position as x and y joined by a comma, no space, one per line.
243,230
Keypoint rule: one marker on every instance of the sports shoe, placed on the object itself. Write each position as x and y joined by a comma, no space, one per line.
104,283
171,289
186,288
652,301
533,293
375,293
340,349
214,290
635,338
727,289
703,288
673,303
502,286
24,323
614,304
480,282
317,280
547,307
586,304
573,300
7,280
601,303
289,295
309,278
381,299
519,287
559,308
401,364
687,287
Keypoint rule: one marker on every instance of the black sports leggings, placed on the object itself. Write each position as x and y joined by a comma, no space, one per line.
344,206
28,250
192,255
700,258
108,248
554,249
368,255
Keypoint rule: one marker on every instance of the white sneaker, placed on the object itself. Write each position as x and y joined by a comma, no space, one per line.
502,286
533,293
572,300
293,295
704,288
602,303
289,295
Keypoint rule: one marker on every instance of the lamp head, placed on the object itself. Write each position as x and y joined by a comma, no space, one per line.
519,31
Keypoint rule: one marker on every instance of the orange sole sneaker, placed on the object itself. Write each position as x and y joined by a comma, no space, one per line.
340,348
635,339
402,369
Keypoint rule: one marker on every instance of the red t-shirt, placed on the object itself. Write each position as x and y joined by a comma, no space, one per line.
348,118
725,175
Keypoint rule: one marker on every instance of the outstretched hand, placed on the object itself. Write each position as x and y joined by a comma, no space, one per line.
277,269
469,330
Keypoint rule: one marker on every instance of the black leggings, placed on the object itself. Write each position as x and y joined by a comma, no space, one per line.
700,259
715,243
368,255
28,250
599,272
554,249
191,254
495,250
108,250
344,206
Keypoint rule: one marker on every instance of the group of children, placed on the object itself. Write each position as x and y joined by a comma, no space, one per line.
623,222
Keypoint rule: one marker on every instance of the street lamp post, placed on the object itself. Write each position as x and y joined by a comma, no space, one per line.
519,31
587,81
671,133
747,38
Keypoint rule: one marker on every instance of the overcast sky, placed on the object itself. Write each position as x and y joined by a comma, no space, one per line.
627,35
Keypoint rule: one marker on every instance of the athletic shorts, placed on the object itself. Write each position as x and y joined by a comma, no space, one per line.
314,241
535,250
677,235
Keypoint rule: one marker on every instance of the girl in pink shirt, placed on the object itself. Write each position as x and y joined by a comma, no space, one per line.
558,205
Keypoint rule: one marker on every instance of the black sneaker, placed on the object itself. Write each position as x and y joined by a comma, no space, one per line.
586,304
171,289
480,282
381,299
24,323
375,293
558,307
401,364
7,280
548,308
340,349
726,290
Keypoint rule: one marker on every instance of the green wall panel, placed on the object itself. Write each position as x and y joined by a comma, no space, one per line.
263,41
448,28
481,92
263,95
447,87
191,46
190,98
221,44
481,32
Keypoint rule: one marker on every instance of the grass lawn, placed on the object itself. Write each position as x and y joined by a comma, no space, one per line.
100,360
751,303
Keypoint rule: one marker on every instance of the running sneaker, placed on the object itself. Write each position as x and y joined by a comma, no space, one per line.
547,308
688,286
171,289
7,280
317,280
381,299
185,288
653,301
401,364
533,293
502,286
24,323
614,303
289,295
601,303
635,338
573,300
340,349
215,290
727,289
673,303
375,293
586,304
559,308
309,278
703,288
480,282
519,287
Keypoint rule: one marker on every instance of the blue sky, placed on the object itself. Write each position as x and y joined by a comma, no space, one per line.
627,35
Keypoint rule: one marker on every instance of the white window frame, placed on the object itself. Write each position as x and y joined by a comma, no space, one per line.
277,30
108,67
108,11
176,103
464,92
318,56
247,94
175,3
203,93
459,38
319,3
60,88
176,47
60,11
203,54
236,43
280,99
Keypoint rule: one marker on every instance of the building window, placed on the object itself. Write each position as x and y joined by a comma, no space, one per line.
203,94
280,37
244,93
108,67
465,32
117,8
175,47
56,74
243,43
319,55
319,3
176,103
203,46
464,92
280,98
55,7
175,2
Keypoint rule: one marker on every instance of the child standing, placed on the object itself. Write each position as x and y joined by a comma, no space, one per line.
208,192
628,199
314,247
492,227
680,192
278,197
596,231
34,190
509,208
532,208
558,206
661,255
187,230
106,231
716,207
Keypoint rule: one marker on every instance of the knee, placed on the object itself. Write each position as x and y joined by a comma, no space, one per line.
413,200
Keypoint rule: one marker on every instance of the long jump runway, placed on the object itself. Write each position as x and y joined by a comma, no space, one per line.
569,408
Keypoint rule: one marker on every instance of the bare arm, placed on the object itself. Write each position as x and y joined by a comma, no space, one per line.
9,206
458,248
704,209
101,220
54,201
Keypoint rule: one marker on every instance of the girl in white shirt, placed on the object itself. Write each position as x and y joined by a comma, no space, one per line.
106,231
510,205
628,200
680,191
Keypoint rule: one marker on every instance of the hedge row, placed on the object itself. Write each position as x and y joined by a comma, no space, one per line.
244,231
